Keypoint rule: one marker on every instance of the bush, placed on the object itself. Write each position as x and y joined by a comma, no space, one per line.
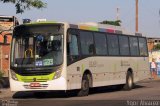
157,47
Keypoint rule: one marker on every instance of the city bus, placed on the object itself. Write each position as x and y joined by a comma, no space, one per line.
51,56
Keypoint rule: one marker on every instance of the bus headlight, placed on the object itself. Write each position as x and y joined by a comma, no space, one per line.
13,75
57,74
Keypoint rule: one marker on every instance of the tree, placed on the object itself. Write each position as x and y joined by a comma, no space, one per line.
116,23
22,5
157,47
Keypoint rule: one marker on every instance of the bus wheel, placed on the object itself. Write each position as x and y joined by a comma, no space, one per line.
129,81
84,91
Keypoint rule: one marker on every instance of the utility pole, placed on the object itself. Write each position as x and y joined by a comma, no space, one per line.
117,14
136,15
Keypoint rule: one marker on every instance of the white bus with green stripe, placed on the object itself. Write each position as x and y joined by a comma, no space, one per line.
48,56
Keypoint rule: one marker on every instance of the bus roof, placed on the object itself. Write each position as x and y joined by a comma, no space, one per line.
91,27
42,22
103,28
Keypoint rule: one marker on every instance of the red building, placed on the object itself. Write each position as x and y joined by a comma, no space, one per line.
7,23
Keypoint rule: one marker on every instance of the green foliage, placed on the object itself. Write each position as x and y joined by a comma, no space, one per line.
116,23
157,47
22,5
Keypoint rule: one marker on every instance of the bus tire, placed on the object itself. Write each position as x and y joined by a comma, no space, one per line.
84,91
129,81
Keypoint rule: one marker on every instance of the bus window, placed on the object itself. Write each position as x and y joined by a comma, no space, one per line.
124,46
87,45
100,43
143,47
113,46
134,50
73,45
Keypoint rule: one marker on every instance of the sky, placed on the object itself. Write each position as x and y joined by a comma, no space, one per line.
76,11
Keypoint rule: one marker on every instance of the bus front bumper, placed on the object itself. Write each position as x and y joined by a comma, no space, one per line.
56,84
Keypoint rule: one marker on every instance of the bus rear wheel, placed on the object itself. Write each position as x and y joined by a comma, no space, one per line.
84,91
129,81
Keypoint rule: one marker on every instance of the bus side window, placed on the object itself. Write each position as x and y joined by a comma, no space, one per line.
73,45
91,49
72,48
87,43
143,47
113,46
134,49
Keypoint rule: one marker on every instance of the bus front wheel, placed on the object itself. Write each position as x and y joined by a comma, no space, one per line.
84,91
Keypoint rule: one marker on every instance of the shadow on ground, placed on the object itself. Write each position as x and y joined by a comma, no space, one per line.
63,94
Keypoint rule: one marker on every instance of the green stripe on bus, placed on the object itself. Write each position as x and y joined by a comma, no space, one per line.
82,68
93,28
40,78
44,22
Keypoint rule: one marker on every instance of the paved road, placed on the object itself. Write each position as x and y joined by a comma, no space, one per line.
145,90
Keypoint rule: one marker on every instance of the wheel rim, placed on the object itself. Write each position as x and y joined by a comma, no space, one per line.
85,85
130,82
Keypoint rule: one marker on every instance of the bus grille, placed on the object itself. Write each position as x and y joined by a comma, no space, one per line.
32,80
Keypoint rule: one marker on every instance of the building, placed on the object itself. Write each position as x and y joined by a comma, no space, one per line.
7,23
152,42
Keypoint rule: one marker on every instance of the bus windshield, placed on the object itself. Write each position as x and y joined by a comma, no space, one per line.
37,46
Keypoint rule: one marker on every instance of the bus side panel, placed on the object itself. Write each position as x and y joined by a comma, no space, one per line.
107,70
143,68
74,76
104,70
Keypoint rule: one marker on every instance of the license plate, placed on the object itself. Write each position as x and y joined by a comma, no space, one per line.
34,85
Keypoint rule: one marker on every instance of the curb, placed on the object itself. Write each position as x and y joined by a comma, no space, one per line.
149,80
4,93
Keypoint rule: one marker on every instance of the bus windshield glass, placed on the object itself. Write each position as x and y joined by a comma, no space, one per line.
37,46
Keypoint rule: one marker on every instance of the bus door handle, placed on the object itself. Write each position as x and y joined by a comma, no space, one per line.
78,68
